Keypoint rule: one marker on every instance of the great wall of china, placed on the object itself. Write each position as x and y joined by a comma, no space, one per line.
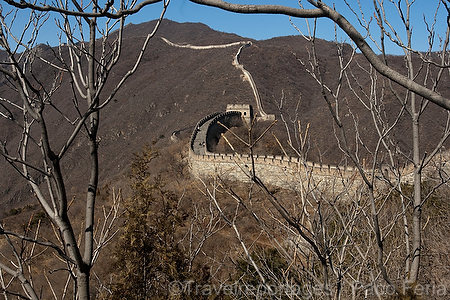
280,171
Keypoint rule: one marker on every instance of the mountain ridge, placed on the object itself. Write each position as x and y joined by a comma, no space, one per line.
173,88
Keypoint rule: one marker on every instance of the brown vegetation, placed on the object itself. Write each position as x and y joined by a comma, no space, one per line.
173,89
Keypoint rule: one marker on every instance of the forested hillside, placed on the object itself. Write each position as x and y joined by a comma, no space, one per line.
163,231
174,88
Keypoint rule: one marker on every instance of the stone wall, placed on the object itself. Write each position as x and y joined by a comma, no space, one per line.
200,124
281,171
284,172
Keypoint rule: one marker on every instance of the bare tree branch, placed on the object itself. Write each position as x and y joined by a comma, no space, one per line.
322,10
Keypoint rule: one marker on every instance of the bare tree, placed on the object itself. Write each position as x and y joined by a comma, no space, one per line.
415,87
319,231
322,10
430,72
87,54
89,61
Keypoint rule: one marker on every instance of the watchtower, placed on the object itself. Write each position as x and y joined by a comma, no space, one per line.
245,110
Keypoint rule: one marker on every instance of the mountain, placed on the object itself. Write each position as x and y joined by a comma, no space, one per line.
175,87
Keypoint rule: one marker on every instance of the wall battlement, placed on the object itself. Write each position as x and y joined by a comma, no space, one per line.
280,161
286,172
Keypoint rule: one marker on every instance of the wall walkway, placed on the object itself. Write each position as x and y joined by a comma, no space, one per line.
281,171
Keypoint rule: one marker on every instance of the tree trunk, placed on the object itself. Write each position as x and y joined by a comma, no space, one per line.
417,213
82,284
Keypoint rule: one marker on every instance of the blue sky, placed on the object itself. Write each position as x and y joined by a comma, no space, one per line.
253,26
268,26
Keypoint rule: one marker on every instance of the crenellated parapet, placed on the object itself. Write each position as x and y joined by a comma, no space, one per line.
287,163
277,170
281,171
274,160
195,133
274,169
